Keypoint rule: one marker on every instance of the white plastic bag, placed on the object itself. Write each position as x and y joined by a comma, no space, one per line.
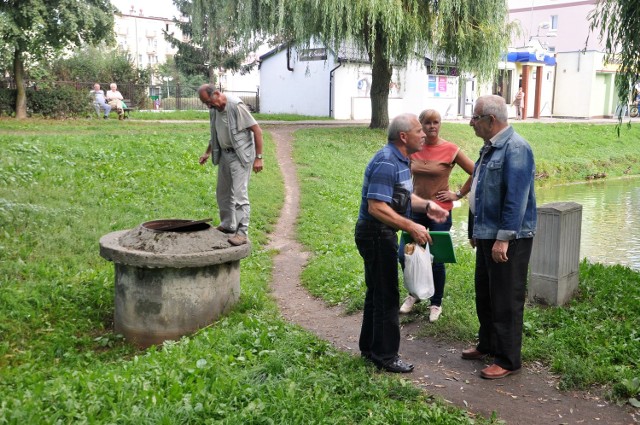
418,276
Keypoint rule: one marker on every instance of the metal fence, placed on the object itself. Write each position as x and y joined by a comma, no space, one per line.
162,97
182,97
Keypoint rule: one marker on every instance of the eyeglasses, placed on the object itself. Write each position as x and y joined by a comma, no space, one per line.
479,117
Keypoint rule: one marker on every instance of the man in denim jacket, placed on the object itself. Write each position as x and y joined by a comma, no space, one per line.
235,147
502,225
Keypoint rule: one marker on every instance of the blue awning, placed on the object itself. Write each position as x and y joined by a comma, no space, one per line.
530,57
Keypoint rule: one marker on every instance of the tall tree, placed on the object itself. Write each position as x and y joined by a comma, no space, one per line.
617,23
213,43
96,64
33,30
471,33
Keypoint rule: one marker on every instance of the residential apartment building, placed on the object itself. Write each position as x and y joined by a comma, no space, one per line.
142,36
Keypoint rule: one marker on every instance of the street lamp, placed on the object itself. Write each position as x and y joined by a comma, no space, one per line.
167,79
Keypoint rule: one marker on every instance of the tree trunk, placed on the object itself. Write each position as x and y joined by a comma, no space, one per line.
18,75
380,80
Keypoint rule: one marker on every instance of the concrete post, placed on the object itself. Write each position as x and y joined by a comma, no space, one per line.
525,89
556,253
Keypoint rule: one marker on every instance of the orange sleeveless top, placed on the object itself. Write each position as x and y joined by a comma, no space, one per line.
431,168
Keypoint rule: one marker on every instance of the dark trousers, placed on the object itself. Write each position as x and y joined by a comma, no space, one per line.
380,332
500,296
438,269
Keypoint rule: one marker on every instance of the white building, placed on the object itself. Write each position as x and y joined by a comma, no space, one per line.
139,29
317,82
142,36
582,84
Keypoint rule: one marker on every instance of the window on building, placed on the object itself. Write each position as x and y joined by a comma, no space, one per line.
554,22
502,84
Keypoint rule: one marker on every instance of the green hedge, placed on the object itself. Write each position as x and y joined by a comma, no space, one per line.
7,101
59,102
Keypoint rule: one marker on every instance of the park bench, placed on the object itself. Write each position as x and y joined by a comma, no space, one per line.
127,110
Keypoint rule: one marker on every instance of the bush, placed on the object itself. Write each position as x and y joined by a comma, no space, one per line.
7,101
59,102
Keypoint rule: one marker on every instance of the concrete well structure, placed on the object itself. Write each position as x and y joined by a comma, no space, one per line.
171,283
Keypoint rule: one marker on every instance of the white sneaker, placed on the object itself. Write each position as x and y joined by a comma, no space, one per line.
434,313
407,305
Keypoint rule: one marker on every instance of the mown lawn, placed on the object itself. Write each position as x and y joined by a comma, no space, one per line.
64,184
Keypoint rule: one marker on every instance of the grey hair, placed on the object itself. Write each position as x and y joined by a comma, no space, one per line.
401,123
493,105
207,88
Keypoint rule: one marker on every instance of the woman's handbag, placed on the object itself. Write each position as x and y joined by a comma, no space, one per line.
418,276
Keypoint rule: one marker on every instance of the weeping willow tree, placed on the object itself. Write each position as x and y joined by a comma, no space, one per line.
214,43
617,23
470,33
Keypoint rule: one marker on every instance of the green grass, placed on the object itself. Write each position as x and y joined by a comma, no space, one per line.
63,185
595,340
564,152
195,115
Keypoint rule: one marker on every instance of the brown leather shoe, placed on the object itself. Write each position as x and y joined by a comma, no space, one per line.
473,354
496,372
238,240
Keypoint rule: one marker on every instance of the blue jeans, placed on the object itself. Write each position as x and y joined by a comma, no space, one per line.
380,333
439,271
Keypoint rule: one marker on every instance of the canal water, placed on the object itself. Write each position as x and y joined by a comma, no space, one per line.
610,218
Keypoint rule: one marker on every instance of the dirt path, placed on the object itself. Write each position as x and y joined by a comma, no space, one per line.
527,398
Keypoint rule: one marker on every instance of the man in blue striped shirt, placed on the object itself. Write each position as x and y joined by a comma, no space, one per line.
387,202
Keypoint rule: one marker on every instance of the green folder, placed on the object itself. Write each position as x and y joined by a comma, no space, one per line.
441,248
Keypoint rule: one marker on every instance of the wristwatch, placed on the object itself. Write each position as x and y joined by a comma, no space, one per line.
259,156
459,194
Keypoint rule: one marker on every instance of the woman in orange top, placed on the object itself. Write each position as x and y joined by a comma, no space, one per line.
431,168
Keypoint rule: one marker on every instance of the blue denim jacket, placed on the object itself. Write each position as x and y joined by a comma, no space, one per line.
505,200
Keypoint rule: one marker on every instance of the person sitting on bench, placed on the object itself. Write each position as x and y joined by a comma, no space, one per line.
99,101
114,98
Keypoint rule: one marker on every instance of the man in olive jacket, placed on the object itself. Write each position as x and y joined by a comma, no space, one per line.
235,147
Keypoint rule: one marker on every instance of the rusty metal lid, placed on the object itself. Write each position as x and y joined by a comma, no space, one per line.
177,225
